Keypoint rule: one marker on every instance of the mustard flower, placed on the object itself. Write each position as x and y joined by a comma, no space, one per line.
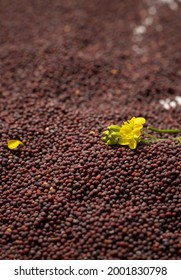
130,132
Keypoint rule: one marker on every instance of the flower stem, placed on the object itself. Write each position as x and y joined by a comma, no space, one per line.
149,135
147,141
154,140
164,130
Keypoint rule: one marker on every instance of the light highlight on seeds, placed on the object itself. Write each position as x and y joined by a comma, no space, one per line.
168,103
140,30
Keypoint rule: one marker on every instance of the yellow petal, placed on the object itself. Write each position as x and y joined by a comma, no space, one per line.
132,144
126,129
132,121
123,141
139,121
136,132
13,144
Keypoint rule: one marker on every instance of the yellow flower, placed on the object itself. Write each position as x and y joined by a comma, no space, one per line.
130,132
13,144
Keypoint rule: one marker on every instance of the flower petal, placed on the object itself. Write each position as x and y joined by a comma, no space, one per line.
139,121
123,141
132,121
136,132
13,144
132,144
126,129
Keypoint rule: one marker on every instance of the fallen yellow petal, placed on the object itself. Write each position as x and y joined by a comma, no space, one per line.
13,144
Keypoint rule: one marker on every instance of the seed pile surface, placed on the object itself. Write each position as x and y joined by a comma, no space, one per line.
68,69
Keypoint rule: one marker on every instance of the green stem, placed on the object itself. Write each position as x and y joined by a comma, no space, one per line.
164,130
160,139
154,140
147,141
149,135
